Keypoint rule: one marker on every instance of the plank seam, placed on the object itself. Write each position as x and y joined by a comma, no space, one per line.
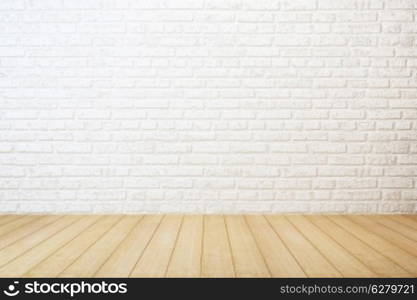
59,248
118,245
257,246
230,246
380,235
370,247
202,244
175,246
78,257
40,228
14,258
13,220
314,246
146,246
285,245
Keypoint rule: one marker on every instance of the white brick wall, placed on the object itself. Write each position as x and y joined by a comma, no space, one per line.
208,106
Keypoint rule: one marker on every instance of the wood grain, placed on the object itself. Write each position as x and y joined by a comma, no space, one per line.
310,259
35,255
186,258
386,248
154,261
342,260
21,246
123,260
92,259
16,234
15,224
217,258
372,258
208,246
65,256
387,233
246,255
8,218
280,261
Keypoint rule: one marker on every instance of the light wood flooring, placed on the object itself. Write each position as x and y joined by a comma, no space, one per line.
208,246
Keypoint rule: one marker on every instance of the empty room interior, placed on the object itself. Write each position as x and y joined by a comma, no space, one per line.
208,138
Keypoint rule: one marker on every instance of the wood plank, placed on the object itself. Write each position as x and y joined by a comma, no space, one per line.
387,233
21,246
405,220
280,261
341,259
123,260
92,259
25,230
208,246
186,258
412,217
396,226
155,259
4,219
375,261
247,258
64,257
217,259
407,261
22,263
11,226
311,260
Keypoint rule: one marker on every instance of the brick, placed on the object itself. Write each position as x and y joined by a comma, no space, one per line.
208,106
395,182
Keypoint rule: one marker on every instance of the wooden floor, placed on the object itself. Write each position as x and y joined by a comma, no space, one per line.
208,246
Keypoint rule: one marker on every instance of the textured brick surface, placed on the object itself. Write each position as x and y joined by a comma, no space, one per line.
208,106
